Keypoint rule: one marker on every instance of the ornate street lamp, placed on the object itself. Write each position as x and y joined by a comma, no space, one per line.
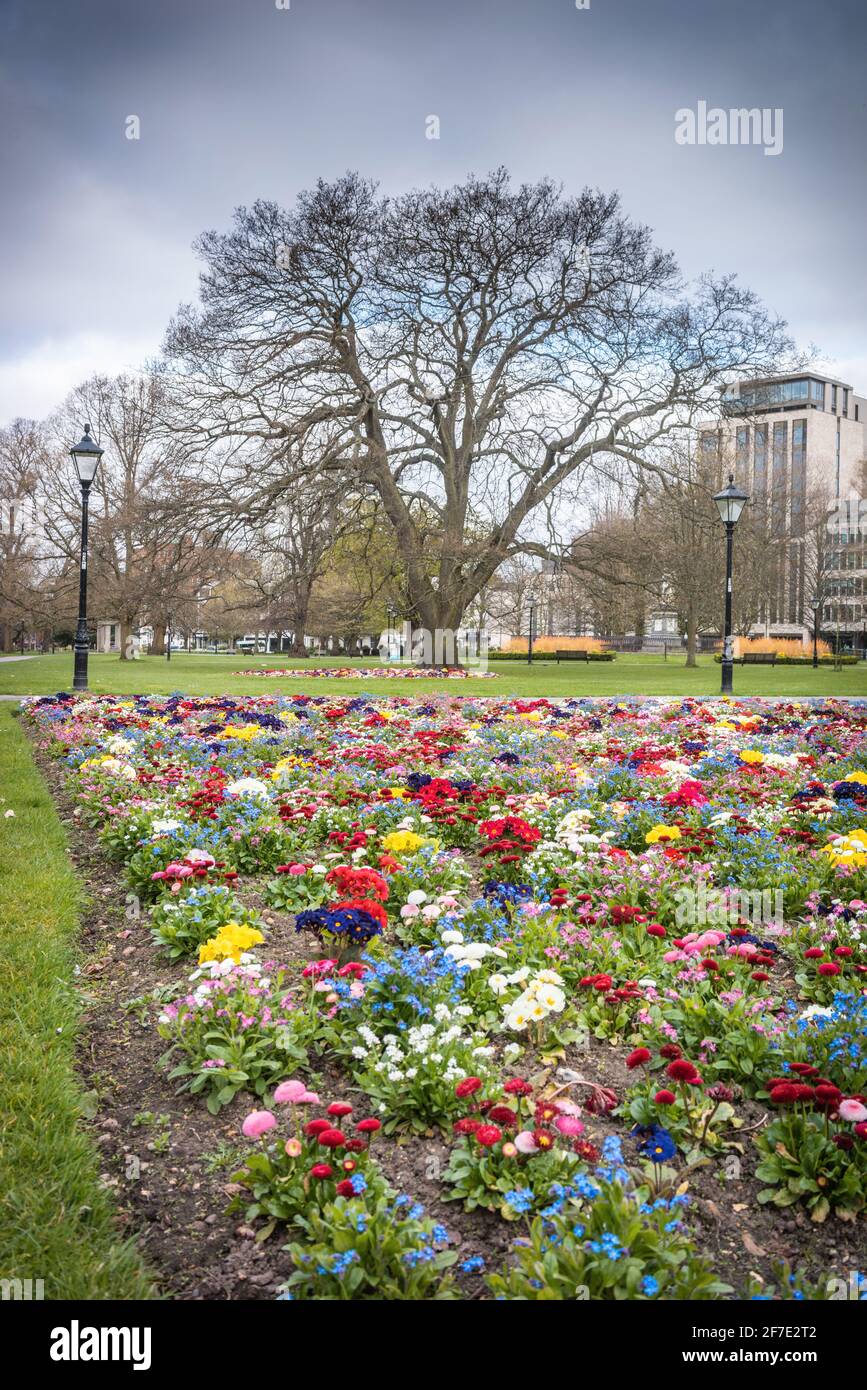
814,604
85,455
532,620
730,503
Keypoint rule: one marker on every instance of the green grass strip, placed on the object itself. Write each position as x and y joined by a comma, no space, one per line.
56,1221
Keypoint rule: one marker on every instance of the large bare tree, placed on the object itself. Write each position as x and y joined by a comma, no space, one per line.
469,354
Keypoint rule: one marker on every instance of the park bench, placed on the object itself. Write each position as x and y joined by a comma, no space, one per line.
572,656
759,659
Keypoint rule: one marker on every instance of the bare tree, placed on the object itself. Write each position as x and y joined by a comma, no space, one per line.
468,354
152,539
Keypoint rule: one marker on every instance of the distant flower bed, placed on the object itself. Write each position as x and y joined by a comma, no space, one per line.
406,673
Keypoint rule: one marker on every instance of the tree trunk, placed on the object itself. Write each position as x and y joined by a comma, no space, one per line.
158,645
126,642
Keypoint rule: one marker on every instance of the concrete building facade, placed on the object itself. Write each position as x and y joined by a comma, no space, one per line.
797,444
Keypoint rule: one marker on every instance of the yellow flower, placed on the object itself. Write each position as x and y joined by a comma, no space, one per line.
244,732
752,755
402,842
662,833
858,776
398,792
850,850
231,941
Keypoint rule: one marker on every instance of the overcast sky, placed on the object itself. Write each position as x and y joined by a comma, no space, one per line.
238,99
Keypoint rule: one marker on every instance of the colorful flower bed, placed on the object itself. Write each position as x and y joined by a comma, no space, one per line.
603,952
404,673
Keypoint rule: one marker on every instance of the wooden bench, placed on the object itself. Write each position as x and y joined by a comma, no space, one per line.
759,659
572,656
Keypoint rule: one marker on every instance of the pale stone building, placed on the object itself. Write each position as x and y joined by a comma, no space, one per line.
795,443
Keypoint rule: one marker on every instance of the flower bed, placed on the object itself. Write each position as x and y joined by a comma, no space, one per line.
406,673
599,964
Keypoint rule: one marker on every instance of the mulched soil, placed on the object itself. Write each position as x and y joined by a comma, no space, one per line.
168,1162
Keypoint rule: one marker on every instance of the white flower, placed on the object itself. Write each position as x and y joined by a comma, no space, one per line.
249,786
164,827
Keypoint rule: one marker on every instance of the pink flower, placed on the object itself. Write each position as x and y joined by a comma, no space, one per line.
257,1123
297,869
293,1147
568,1124
852,1110
295,1093
525,1143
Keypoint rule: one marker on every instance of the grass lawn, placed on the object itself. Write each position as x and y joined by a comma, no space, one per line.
56,1221
629,674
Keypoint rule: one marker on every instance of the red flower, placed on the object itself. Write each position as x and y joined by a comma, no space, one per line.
600,1101
339,1108
829,968
543,1139
760,976
720,1092
355,1146
345,1188
321,1170
665,1097
316,1127
368,1126
669,1050
827,1094
502,1115
786,1094
466,1126
681,1070
861,1129
468,1087
488,1135
584,1149
638,1057
332,1138
545,1110
655,929
814,953
517,1087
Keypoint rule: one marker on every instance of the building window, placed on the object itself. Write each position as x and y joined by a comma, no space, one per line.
778,480
799,475
760,465
710,446
834,400
817,391
845,400
742,456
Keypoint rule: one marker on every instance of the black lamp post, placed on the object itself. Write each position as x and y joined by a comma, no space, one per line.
169,639
730,503
532,620
814,604
85,455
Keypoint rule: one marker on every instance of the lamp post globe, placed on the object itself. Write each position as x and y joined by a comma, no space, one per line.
730,503
86,455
